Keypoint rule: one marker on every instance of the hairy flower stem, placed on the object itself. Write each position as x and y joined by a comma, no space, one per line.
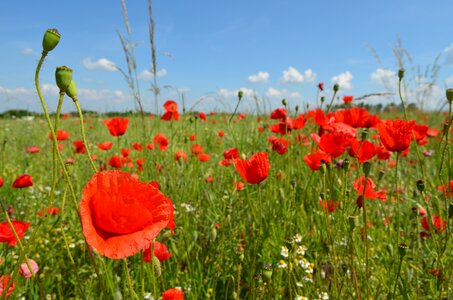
353,273
397,200
62,164
54,152
331,102
397,277
365,233
235,110
82,129
128,278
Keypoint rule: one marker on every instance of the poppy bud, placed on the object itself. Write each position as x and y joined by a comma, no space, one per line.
284,102
336,87
401,73
71,91
50,40
381,174
420,185
366,168
402,248
364,134
345,164
157,267
296,108
450,210
63,77
240,95
267,271
353,222
323,99
449,94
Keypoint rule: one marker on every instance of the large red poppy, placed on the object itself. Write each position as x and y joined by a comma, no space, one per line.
121,215
23,181
363,150
254,170
117,126
171,111
173,294
367,187
160,251
62,135
314,160
7,235
161,140
4,282
396,135
334,143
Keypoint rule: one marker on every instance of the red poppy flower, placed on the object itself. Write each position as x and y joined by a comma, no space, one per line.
420,132
105,146
221,134
203,157
125,152
79,147
254,170
363,150
50,211
229,155
382,153
23,181
329,205
173,294
121,215
238,185
196,149
115,162
354,116
69,161
192,137
1,182
314,160
137,146
334,143
33,149
140,163
6,234
437,221
62,135
279,113
279,145
347,99
160,251
171,108
150,146
396,135
161,140
447,189
360,185
117,126
181,155
4,282
202,116
321,86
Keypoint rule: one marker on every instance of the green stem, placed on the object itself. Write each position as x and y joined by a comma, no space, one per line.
82,129
397,277
331,102
129,281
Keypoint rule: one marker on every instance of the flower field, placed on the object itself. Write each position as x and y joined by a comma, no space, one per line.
335,202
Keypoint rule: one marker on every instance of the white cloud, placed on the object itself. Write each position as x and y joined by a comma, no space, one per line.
147,74
292,75
260,77
449,81
448,52
280,94
383,76
226,93
27,51
100,64
343,79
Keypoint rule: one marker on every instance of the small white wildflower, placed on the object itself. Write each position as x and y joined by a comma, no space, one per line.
148,296
299,284
323,296
284,251
282,264
72,245
301,250
297,238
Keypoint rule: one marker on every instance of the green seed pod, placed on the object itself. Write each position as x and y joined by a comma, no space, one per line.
284,102
450,210
297,108
71,91
449,94
323,99
402,248
420,185
401,73
336,87
267,271
63,77
50,40
240,95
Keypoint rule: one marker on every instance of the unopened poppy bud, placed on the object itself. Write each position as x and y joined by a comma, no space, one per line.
402,248
346,164
353,222
420,185
449,94
50,40
364,134
214,233
381,174
240,95
366,168
284,102
336,87
401,73
267,271
450,210
71,91
296,108
63,77
323,99
157,267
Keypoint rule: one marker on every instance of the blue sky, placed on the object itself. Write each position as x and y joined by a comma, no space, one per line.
210,49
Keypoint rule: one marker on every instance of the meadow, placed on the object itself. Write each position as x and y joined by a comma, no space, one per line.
329,203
